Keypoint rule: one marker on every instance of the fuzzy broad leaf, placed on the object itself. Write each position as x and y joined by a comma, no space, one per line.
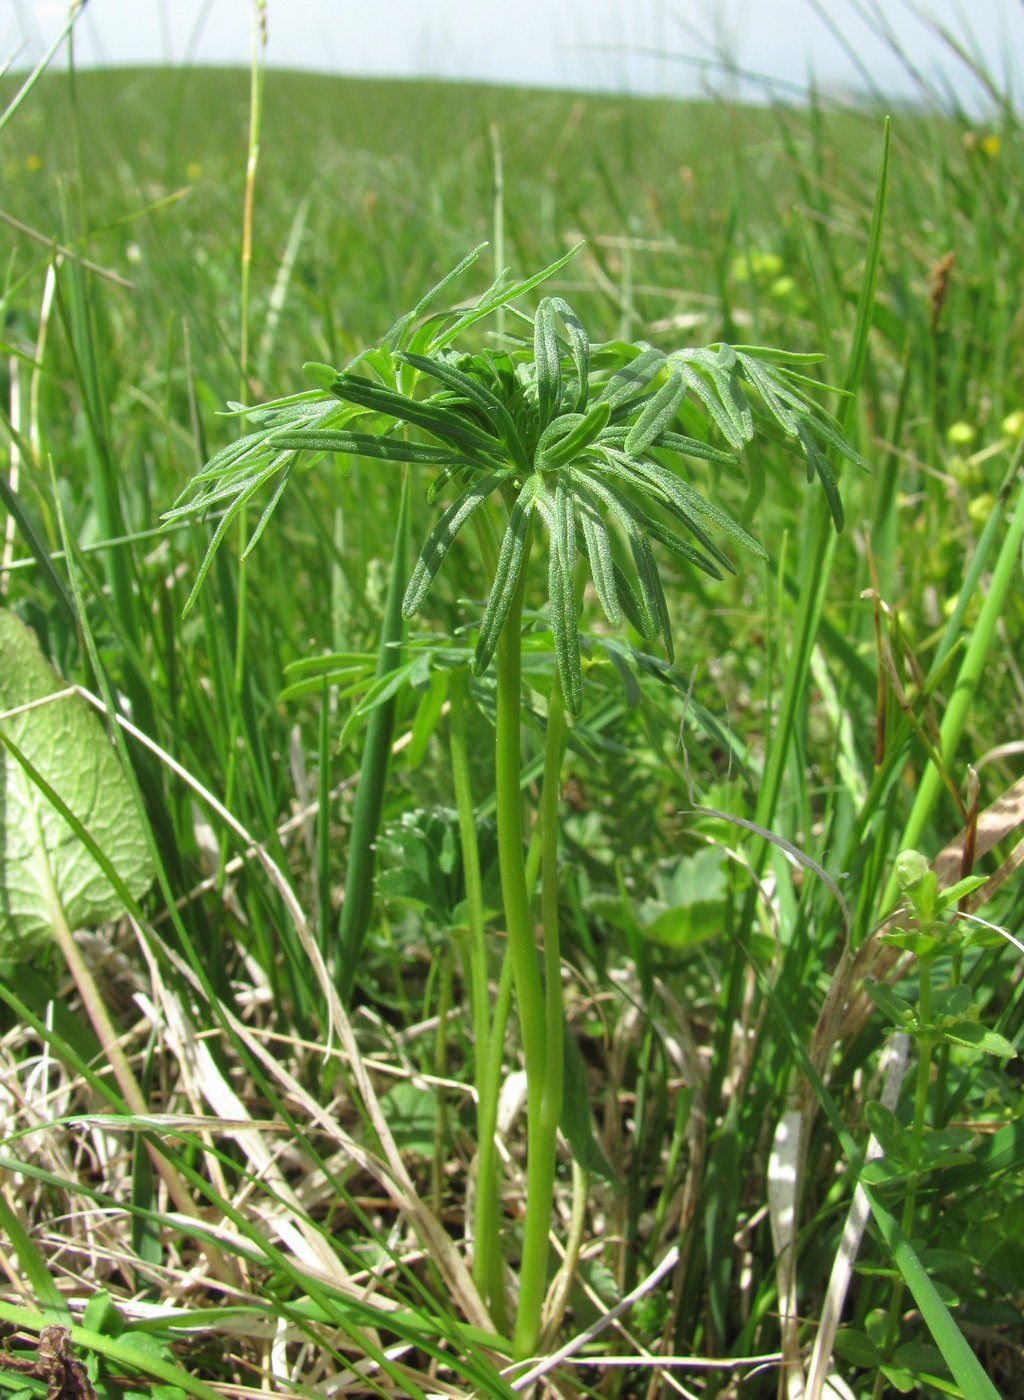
42,857
972,1034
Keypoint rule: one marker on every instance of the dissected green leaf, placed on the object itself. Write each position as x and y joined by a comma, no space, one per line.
64,742
599,553
656,416
569,435
511,557
579,347
633,378
450,374
432,417
442,537
547,361
723,397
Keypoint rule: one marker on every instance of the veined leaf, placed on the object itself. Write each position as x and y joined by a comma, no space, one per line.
41,856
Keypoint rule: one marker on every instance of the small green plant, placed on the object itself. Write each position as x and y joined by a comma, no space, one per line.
539,436
943,1018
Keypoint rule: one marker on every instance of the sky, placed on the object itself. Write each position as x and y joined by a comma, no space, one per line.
644,46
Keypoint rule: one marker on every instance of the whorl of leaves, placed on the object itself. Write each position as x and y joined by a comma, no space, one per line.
584,441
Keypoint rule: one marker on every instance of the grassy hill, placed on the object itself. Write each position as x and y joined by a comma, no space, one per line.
730,826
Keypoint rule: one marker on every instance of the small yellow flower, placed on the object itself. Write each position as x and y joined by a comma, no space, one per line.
193,170
1013,424
33,162
960,434
990,144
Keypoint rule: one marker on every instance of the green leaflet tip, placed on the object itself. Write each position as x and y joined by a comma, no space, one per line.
323,376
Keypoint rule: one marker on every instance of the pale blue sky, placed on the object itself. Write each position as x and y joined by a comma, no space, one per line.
636,45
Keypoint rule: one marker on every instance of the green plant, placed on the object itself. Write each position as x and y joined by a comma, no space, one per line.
543,433
944,1017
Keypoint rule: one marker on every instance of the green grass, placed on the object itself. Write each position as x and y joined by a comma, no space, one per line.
705,1005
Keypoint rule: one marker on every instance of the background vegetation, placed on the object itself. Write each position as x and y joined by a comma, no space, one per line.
834,697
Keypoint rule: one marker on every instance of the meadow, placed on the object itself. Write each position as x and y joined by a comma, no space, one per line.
232,1159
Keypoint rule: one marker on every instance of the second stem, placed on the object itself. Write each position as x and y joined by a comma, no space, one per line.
540,1005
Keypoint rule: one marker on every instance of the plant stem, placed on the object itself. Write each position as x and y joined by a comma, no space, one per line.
540,1005
526,974
487,1271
